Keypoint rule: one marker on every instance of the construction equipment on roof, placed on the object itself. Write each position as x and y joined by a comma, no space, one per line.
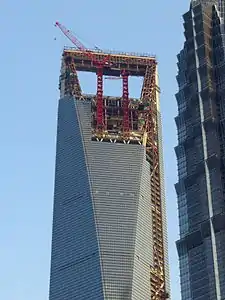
124,120
100,64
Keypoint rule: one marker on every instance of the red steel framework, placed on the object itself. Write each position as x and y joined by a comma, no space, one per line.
117,65
100,64
126,128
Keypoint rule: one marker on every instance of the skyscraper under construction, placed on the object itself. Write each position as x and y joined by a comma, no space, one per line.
109,226
201,152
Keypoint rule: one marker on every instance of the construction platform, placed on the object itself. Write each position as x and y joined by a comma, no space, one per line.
134,63
139,112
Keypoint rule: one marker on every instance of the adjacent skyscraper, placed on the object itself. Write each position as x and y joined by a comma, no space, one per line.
201,153
109,226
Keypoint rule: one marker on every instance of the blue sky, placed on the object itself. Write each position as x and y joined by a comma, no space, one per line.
30,62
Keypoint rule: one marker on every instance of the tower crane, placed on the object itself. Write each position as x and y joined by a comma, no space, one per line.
100,65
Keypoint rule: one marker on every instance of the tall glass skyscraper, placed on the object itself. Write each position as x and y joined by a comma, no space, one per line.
201,152
109,225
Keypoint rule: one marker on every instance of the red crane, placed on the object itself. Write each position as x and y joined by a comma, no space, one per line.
100,65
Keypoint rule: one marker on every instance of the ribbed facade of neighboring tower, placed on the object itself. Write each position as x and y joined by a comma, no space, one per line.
109,225
201,153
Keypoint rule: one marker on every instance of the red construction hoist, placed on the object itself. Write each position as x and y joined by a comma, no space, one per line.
126,127
100,66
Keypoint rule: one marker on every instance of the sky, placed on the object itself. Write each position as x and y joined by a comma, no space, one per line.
30,55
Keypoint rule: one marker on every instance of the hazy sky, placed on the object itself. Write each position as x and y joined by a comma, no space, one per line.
30,63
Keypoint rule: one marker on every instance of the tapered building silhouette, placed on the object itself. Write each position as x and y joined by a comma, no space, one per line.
109,226
201,153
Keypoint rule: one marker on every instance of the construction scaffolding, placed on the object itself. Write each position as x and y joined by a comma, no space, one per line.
124,120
